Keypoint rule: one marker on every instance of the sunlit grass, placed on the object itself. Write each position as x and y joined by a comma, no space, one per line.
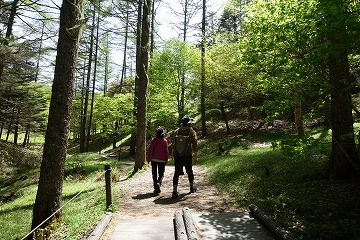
84,173
119,143
35,138
15,216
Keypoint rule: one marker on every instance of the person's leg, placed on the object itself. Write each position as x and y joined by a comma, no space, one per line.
189,170
161,169
190,173
178,166
154,169
181,172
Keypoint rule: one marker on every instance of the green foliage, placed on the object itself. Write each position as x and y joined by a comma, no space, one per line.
16,159
174,60
287,44
293,193
277,41
23,101
228,81
114,113
231,18
294,147
24,105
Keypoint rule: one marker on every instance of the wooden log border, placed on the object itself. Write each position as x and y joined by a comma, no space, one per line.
260,216
184,227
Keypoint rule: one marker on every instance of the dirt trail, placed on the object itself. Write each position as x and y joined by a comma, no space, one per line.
138,200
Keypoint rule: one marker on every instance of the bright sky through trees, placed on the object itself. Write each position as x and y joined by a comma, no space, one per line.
168,22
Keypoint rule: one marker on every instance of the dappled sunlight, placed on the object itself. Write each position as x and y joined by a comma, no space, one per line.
230,225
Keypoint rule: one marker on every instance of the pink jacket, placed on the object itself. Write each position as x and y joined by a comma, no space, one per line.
158,150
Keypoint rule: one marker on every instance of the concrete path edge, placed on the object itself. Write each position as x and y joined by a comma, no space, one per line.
100,227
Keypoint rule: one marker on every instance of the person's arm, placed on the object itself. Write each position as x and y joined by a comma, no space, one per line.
172,137
150,152
166,152
194,145
195,158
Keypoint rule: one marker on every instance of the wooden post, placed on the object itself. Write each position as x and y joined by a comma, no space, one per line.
108,185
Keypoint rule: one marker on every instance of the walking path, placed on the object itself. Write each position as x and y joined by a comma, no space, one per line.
145,216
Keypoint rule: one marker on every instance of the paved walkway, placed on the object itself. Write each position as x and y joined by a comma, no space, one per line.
145,216
211,226
230,226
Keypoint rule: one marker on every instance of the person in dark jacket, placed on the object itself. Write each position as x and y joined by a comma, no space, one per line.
158,155
185,155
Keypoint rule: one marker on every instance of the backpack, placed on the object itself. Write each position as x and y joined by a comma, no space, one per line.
181,143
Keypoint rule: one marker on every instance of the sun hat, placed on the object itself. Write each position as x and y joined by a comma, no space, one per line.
186,120
160,132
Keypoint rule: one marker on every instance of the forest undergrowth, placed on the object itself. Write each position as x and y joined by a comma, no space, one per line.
289,186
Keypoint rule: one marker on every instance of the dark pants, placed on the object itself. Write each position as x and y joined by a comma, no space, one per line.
185,161
157,168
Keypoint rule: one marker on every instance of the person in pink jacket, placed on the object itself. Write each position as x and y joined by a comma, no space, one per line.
158,155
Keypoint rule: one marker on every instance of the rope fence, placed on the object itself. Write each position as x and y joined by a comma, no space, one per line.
107,173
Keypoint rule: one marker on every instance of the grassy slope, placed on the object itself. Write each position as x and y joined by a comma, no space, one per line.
18,185
293,192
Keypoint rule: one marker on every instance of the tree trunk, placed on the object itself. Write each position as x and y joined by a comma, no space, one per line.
152,29
39,53
48,197
224,117
26,137
8,133
356,110
203,77
123,72
106,74
2,127
181,103
8,34
82,105
83,136
138,69
344,160
142,90
185,24
298,118
9,129
93,84
16,133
